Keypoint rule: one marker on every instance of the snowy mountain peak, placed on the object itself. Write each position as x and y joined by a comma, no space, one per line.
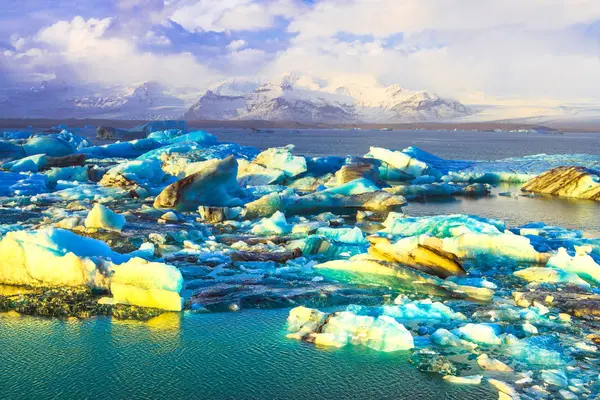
302,98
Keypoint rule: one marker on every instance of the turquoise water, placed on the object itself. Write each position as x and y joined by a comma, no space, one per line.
241,355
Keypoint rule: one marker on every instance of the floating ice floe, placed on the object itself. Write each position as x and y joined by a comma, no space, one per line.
380,333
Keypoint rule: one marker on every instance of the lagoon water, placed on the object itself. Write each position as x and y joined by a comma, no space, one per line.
245,355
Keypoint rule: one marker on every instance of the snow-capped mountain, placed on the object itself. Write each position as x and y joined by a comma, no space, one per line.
56,99
308,99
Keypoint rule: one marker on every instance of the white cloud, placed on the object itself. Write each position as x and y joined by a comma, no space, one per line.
236,44
85,49
385,17
231,15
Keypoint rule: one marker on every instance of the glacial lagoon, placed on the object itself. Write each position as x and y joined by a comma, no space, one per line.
246,354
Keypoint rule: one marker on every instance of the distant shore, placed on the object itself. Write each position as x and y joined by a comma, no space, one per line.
207,124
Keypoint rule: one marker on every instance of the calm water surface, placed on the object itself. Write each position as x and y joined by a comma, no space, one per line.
245,355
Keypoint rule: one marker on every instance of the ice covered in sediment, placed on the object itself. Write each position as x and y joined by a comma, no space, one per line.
214,185
479,333
275,224
471,245
576,182
142,172
16,184
343,235
381,333
147,284
422,253
581,263
550,275
441,226
131,149
102,217
401,161
282,158
439,190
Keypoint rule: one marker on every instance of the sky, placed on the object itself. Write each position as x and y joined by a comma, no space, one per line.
477,51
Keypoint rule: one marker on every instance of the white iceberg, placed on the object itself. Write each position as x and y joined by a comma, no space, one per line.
102,217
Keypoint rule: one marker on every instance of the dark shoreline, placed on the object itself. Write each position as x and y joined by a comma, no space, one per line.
207,124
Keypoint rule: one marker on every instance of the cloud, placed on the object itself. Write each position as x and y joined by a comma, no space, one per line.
237,44
386,17
232,15
87,50
469,49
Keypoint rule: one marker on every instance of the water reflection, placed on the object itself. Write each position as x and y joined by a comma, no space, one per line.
515,211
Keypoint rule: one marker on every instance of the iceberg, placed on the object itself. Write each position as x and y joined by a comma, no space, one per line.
424,255
550,275
57,257
215,185
343,235
130,149
53,257
581,264
338,329
281,158
471,245
442,226
147,284
102,217
479,333
50,145
141,172
401,162
275,224
578,182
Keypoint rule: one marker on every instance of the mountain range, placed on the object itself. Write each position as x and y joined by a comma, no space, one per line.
308,99
288,97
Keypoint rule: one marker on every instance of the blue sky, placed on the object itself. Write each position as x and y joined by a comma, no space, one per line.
477,51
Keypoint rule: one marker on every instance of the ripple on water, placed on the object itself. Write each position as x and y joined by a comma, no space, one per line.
208,356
